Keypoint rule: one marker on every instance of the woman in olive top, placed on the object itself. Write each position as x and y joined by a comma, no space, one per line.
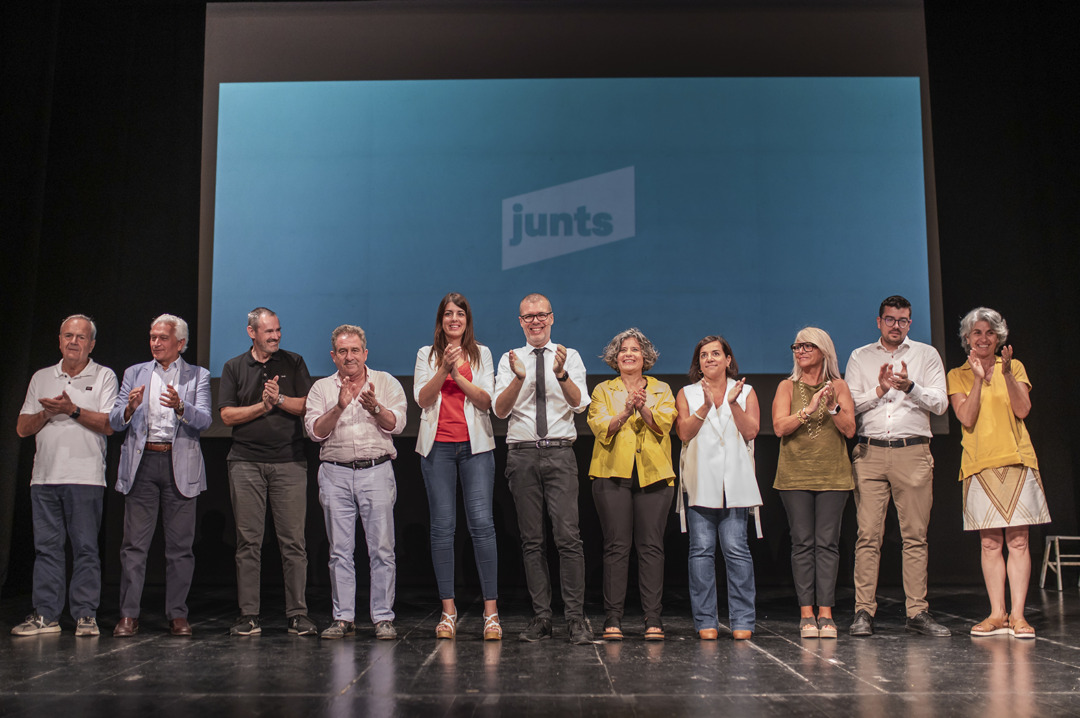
1003,492
812,414
633,479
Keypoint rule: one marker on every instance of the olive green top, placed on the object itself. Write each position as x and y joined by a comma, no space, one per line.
813,464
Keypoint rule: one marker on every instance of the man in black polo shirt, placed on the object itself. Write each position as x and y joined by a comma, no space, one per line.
262,397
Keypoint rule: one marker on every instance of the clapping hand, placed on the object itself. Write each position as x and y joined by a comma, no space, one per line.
735,391
270,393
350,389
368,400
1006,360
516,365
451,359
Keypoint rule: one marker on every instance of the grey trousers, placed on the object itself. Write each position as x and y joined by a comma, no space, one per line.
153,487
251,484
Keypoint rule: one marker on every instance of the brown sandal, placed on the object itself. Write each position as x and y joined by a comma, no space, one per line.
1019,628
992,627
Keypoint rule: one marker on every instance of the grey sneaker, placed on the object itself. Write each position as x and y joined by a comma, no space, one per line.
87,626
385,631
302,626
339,629
246,626
35,625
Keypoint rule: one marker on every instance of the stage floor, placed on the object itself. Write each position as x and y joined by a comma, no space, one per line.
776,674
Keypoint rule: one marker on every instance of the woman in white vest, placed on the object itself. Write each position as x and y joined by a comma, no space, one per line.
718,420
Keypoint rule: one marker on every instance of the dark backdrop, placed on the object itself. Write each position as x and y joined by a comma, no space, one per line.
100,121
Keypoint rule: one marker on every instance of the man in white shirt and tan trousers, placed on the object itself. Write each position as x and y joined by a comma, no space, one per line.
896,384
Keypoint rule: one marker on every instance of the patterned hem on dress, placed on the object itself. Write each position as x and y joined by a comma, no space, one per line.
1004,496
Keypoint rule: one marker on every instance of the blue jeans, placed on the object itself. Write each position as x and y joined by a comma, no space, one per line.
61,512
705,526
369,494
441,467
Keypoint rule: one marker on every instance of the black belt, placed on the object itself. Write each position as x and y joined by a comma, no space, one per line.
361,463
541,444
895,443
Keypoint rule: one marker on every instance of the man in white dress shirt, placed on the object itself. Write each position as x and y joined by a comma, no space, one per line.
896,384
354,414
540,387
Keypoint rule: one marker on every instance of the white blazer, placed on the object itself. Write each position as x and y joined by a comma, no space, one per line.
481,436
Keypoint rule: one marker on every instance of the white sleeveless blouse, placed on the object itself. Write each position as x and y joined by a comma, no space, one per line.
717,466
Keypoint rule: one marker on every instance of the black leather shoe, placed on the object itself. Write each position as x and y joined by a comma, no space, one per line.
537,630
863,625
925,624
580,635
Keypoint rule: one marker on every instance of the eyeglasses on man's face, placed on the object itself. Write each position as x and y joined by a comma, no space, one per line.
803,347
538,317
901,322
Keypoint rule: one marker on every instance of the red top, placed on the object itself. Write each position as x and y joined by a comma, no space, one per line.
452,426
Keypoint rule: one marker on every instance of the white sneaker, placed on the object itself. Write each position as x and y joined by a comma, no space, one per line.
87,626
35,625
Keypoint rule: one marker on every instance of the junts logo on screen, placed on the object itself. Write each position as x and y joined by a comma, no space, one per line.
568,218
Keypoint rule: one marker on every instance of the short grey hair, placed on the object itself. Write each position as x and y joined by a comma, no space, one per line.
821,339
348,329
648,351
258,313
179,324
983,314
93,327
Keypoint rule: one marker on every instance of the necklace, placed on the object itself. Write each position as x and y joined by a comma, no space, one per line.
811,430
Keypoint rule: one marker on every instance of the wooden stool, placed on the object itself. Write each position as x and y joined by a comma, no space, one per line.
1059,559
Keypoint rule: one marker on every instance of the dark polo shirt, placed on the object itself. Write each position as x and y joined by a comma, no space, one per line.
275,437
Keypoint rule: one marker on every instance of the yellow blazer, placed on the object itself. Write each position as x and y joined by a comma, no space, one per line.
635,441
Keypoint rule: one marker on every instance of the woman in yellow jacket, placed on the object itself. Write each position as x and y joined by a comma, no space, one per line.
632,477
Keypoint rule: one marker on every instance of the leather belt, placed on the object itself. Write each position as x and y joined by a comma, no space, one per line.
895,443
541,444
361,463
160,448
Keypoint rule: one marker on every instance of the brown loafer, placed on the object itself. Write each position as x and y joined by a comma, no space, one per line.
708,634
126,628
180,627
742,635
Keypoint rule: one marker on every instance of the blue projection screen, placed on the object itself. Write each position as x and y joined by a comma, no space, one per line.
749,207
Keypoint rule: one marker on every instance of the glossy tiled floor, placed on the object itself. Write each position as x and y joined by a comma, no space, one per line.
775,674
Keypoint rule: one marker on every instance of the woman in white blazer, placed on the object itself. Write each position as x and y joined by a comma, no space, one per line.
718,419
453,383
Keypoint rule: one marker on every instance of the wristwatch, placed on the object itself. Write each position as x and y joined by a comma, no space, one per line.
77,413
910,387
564,377
280,400
835,410
376,410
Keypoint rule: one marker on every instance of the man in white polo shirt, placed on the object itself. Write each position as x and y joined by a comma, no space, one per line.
66,410
896,384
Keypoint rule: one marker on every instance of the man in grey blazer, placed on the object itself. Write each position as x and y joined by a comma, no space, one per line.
164,405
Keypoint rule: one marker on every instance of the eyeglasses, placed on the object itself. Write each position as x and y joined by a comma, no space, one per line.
530,318
803,347
902,322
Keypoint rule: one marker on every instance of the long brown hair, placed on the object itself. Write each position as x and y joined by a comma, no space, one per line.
468,341
695,362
